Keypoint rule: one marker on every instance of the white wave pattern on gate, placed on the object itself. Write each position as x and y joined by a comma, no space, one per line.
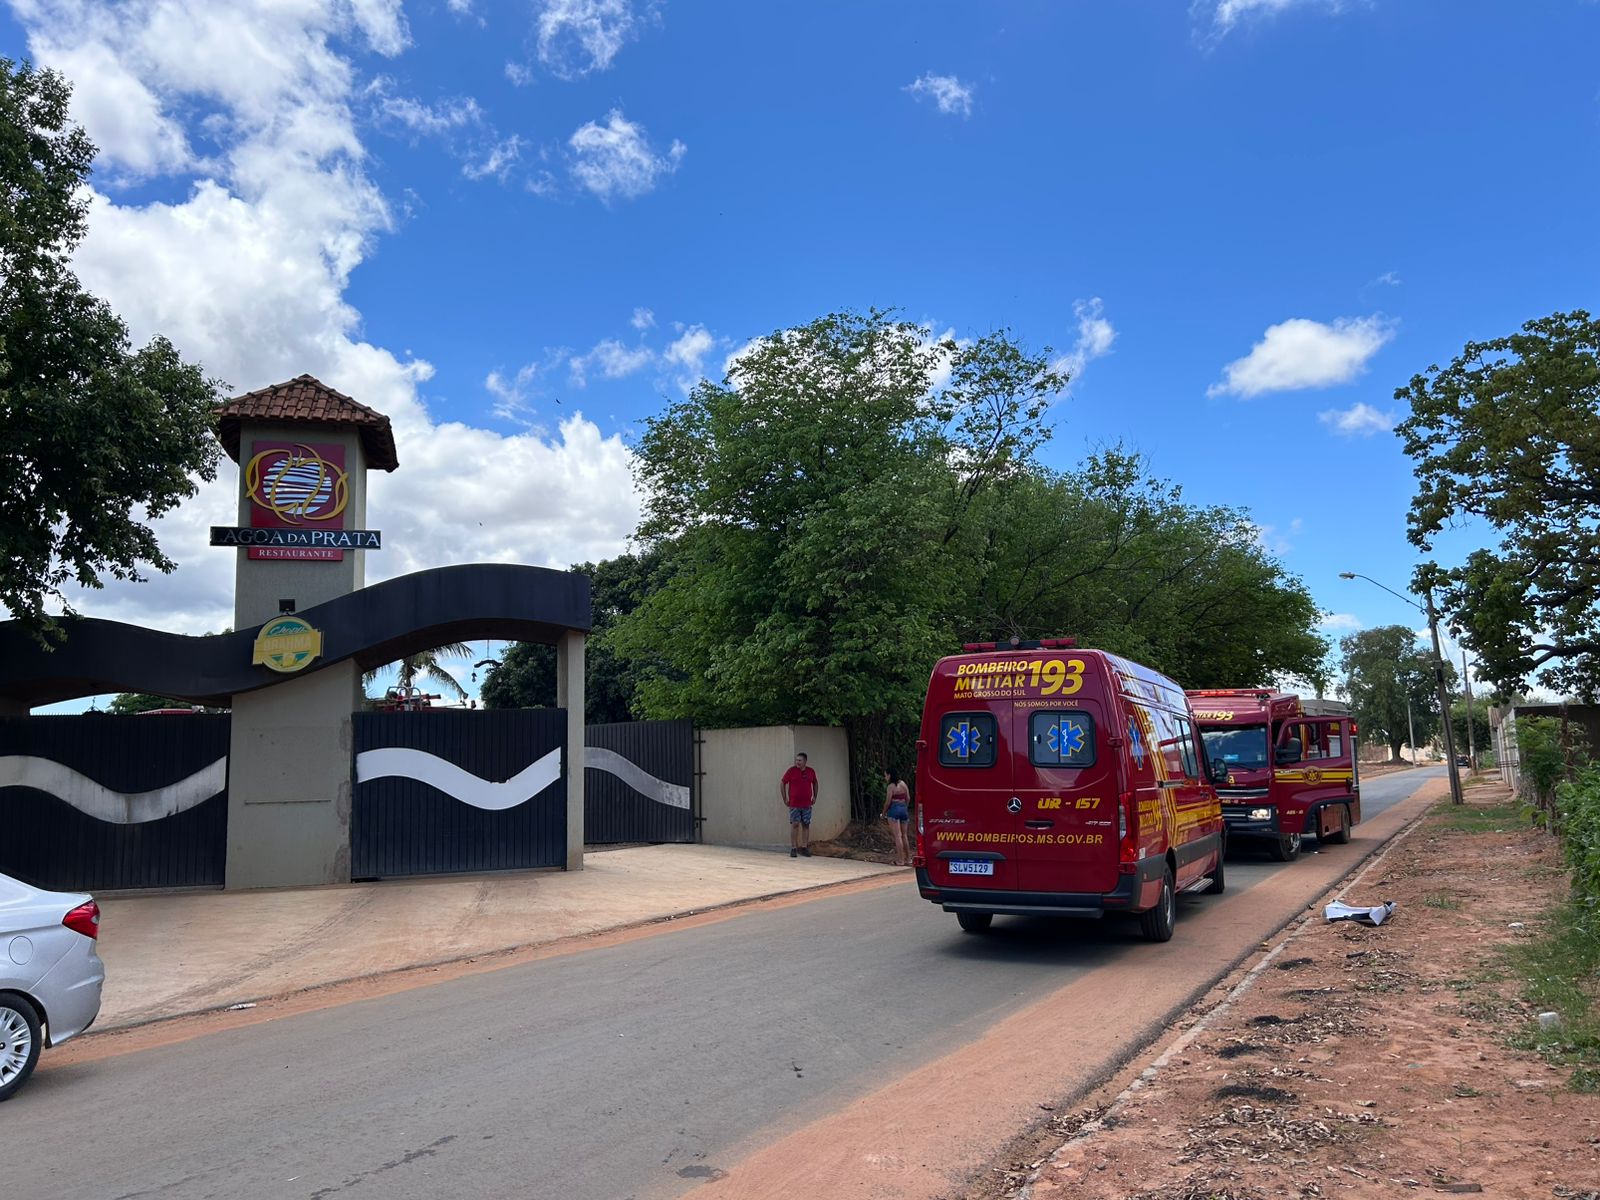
398,762
463,785
104,804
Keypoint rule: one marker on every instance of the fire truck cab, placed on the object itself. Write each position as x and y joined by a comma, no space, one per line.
1056,781
1291,766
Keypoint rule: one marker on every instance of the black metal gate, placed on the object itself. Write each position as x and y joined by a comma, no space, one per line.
100,802
638,782
440,792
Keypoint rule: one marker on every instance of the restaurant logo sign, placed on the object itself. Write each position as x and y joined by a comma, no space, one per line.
299,486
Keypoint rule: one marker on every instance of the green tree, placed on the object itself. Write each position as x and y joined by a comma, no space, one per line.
1509,433
525,676
427,665
1482,735
1384,670
99,438
815,503
1120,560
129,703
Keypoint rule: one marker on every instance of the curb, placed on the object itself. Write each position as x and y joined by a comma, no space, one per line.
1187,1038
103,1033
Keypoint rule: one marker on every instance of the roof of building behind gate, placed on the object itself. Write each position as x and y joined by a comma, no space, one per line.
305,400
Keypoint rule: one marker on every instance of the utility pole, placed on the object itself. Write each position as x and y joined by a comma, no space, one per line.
1472,738
1456,796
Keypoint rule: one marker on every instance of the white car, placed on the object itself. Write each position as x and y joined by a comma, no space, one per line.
50,975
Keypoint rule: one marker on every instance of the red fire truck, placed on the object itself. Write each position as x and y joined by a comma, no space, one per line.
1291,766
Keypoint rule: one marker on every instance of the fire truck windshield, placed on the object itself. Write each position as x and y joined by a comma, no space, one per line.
1245,748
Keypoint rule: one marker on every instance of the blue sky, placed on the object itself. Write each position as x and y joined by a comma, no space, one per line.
521,228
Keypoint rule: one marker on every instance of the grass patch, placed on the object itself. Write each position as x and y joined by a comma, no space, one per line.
1560,971
1448,900
1485,818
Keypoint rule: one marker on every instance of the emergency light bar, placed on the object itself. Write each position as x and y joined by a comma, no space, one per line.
1258,693
1017,643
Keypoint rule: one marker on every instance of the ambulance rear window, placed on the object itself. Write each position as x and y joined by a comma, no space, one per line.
1061,739
966,740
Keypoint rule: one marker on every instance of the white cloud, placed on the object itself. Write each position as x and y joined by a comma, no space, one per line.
580,36
1095,336
1298,353
949,93
1388,279
1277,541
612,358
511,394
518,74
384,23
121,114
616,159
461,8
690,349
438,120
643,319
246,273
1340,623
495,162
1359,420
1226,14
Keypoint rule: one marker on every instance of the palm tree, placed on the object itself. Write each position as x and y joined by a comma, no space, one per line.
427,665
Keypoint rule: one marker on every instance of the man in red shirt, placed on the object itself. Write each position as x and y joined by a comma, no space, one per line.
798,791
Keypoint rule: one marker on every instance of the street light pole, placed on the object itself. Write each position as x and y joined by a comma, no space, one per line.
1456,796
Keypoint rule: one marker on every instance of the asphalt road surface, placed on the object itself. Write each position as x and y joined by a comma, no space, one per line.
766,1053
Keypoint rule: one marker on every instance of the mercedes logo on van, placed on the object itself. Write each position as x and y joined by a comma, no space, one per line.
1014,805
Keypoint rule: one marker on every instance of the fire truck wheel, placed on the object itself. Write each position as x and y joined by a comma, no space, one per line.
974,922
1157,924
1341,834
1285,848
1219,880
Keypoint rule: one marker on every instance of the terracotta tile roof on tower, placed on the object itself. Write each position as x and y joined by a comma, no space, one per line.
305,400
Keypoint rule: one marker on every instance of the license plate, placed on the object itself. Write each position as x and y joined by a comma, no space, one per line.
962,867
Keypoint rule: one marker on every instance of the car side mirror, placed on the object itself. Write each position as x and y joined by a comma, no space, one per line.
1217,770
1288,753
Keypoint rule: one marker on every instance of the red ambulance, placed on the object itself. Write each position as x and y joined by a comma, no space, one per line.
1291,765
1055,781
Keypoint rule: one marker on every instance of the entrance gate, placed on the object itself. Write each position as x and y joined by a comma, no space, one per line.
101,803
444,792
639,782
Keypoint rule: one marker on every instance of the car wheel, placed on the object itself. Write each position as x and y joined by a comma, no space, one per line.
1219,878
19,1043
1285,848
1158,923
975,922
1341,835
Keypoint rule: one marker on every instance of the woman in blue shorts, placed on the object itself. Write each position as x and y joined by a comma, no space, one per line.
897,811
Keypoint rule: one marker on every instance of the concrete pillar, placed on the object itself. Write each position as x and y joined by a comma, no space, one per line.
570,696
289,781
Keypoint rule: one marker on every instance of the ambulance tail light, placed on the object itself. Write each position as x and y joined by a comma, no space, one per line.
1127,841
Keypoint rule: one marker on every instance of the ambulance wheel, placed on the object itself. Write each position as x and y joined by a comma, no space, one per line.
974,922
1341,835
1219,879
1285,848
1158,923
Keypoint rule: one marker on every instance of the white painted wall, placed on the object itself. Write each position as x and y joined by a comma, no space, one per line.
739,791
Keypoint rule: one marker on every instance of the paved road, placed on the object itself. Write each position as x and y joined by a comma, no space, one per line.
636,1070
